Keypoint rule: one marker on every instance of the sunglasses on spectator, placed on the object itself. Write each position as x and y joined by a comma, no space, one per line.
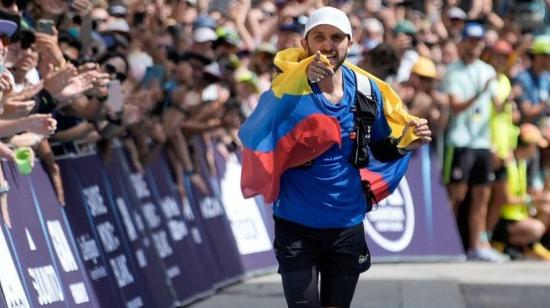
111,70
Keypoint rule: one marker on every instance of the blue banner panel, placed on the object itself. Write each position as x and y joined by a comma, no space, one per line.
153,267
38,269
218,231
13,291
416,221
179,266
198,261
87,239
71,270
106,222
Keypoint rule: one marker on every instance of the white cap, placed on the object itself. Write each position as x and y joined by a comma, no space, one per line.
119,25
456,12
328,16
213,69
202,35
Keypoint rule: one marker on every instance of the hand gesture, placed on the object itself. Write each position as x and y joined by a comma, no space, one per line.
238,10
42,124
6,84
49,51
82,7
318,70
16,108
421,130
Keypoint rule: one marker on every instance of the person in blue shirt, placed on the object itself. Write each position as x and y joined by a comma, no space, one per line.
534,101
321,206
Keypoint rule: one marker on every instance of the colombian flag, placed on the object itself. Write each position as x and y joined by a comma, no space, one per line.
288,128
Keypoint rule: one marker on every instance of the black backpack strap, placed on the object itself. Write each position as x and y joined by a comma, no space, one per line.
365,110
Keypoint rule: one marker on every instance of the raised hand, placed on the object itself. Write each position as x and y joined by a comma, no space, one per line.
42,124
318,70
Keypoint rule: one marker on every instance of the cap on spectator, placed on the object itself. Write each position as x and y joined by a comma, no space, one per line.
530,134
406,27
249,78
473,30
192,2
266,47
213,69
118,9
502,47
203,35
424,67
328,16
119,25
227,36
9,23
204,21
456,13
541,45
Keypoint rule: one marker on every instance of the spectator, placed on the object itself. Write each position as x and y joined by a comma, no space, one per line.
471,86
519,230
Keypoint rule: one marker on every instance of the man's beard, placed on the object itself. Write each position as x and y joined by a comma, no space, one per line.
339,60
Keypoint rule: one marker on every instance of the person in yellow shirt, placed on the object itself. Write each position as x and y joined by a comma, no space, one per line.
521,226
504,132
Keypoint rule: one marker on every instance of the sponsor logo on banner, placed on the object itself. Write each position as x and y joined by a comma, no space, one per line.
10,282
61,246
391,225
246,221
47,284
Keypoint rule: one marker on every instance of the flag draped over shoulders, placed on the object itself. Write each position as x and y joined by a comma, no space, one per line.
289,128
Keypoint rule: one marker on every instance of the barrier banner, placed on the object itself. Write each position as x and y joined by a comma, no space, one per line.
178,267
39,271
197,261
54,224
416,221
86,238
106,221
150,264
13,292
216,226
245,216
2,300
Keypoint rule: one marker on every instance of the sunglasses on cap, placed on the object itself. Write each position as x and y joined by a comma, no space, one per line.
111,70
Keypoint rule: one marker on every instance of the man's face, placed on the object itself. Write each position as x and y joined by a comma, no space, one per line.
473,47
332,43
499,61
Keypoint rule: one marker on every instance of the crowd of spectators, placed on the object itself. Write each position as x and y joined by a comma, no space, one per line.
156,75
